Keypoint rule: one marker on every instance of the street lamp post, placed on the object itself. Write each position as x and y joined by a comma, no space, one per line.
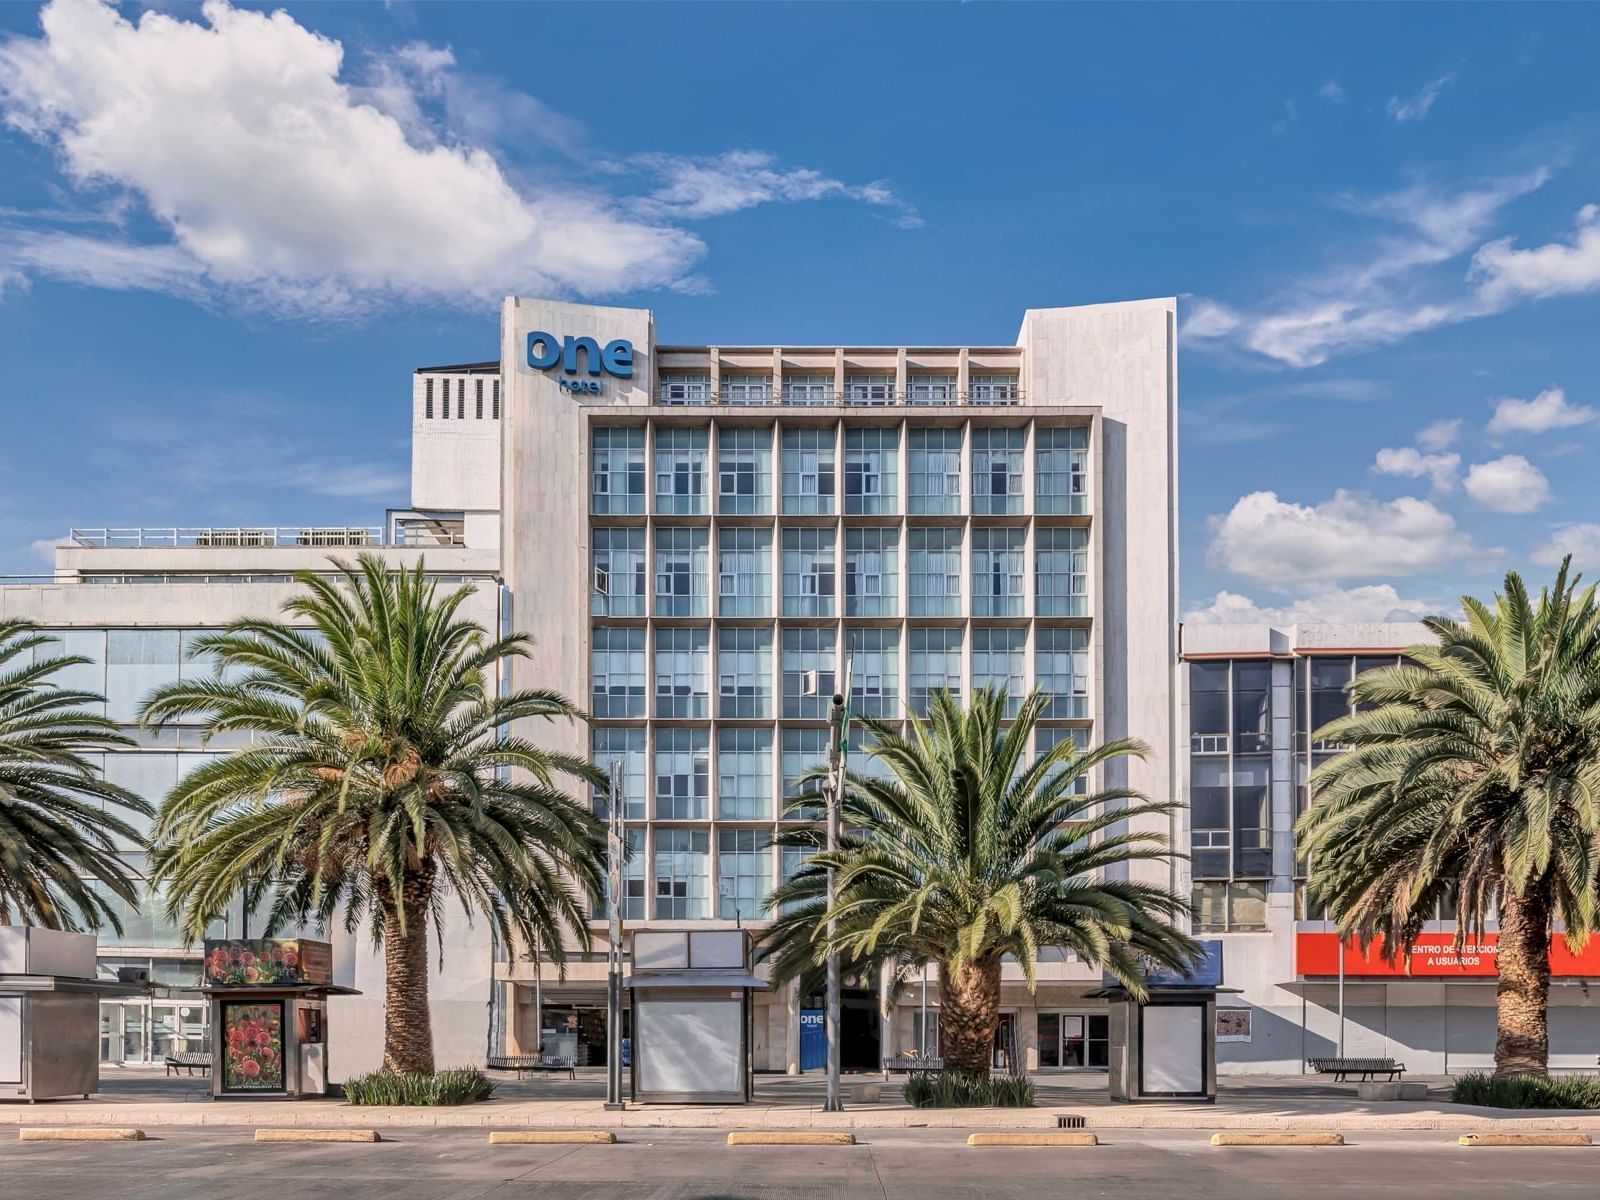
615,849
835,801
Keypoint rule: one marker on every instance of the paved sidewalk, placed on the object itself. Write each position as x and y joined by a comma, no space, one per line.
148,1099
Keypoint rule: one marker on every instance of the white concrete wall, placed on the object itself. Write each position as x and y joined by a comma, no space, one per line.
455,461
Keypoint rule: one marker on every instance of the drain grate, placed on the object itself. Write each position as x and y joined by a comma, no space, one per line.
1069,1121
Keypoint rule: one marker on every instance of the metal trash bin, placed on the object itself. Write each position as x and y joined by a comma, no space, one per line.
1164,1047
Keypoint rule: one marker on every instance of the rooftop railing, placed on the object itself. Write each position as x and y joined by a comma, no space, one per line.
211,536
746,396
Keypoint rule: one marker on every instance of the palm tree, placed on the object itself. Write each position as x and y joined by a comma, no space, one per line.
58,821
1472,776
381,779
970,851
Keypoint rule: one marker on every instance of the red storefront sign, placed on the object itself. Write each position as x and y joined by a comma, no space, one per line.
1435,956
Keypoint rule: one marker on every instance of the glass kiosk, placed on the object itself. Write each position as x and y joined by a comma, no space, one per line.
1164,1047
269,1017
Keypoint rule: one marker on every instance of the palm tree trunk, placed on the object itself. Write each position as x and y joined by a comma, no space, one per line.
1522,1043
969,1012
407,1029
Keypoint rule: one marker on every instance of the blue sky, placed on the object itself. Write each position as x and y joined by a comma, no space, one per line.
226,237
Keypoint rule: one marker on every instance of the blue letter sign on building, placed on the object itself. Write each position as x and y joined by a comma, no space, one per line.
616,359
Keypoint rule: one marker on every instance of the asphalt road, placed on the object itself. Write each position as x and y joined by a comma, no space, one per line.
685,1165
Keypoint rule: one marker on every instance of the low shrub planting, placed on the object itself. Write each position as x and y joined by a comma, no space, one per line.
458,1085
1527,1091
949,1089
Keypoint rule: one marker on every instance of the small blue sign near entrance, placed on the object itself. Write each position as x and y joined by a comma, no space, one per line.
813,1040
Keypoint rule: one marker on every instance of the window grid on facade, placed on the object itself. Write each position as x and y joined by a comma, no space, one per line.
623,745
997,572
1230,769
1045,739
477,399
1061,571
808,389
871,470
681,563
1061,471
444,397
744,471
744,872
682,874
744,572
427,399
1061,668
992,389
808,572
619,572
685,389
997,470
931,389
495,415
682,666
461,399
806,651
869,389
999,660
808,462
745,389
871,572
874,672
682,774
744,774
933,471
618,668
681,471
617,471
744,673
1236,907
934,664
804,750
933,563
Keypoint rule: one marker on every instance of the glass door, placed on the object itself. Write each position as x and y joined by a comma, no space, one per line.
1074,1040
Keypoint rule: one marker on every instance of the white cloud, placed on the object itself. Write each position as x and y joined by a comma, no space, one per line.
286,183
1332,92
45,548
693,188
1349,536
1509,485
1378,602
1581,539
1416,107
1436,435
1505,274
1546,411
1409,462
344,478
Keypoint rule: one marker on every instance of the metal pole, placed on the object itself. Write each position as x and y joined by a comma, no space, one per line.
835,801
615,843
922,1040
1341,995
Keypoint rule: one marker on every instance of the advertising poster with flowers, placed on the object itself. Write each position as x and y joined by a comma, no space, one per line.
253,1060
267,961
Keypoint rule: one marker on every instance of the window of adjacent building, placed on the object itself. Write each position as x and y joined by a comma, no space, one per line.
997,470
744,471
744,872
681,561
623,745
744,572
860,760
808,461
618,670
997,572
933,564
1230,907
149,776
683,659
477,399
1061,572
933,664
746,389
931,389
871,572
1061,668
999,660
1210,829
791,859
808,389
1061,470
874,672
1070,1040
619,572
808,572
444,397
685,389
1330,677
1045,739
1252,707
1252,816
744,774
993,389
617,471
427,398
871,465
137,661
496,416
633,888
804,750
1208,707
681,471
807,651
682,874
933,471
869,389
744,673
683,774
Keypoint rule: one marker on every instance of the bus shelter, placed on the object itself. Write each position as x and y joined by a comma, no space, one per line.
1164,1047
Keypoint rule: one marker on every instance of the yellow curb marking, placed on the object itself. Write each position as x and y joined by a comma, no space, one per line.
1277,1139
551,1137
791,1138
317,1135
1525,1139
80,1133
1033,1139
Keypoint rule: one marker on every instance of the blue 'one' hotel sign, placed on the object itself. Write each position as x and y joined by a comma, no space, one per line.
545,350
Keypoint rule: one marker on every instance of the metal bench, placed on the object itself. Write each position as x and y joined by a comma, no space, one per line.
190,1061
910,1064
534,1062
1366,1068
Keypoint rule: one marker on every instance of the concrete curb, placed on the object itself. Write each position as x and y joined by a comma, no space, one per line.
552,1137
1525,1139
79,1133
1033,1139
795,1137
1278,1139
317,1135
